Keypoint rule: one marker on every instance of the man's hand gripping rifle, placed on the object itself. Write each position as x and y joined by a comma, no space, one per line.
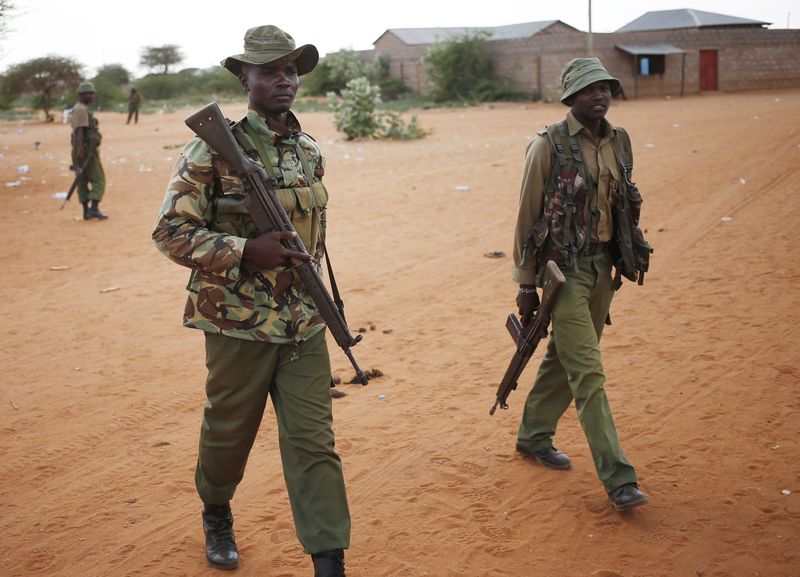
268,215
527,338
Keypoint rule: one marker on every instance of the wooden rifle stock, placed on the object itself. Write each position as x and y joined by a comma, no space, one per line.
268,214
527,338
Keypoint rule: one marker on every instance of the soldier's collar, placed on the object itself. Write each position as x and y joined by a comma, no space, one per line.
575,126
273,126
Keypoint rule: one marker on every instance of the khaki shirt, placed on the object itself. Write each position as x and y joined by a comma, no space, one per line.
602,166
80,116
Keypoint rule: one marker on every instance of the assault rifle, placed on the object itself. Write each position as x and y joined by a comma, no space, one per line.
268,214
79,170
527,338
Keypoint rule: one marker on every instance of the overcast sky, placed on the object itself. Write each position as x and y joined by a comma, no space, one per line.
99,32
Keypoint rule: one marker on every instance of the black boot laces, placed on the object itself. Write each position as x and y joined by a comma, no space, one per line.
221,530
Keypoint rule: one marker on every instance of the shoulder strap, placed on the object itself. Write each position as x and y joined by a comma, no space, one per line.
558,139
621,143
262,151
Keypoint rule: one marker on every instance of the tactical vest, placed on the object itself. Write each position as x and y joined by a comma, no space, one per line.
303,204
563,232
91,134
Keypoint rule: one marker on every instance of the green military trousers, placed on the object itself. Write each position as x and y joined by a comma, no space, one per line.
92,184
572,368
297,377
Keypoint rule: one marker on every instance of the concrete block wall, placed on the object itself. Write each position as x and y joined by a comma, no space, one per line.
747,59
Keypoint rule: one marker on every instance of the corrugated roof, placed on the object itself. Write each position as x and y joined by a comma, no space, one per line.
685,18
414,36
653,49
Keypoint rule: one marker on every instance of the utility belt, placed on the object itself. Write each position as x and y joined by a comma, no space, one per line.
551,252
596,248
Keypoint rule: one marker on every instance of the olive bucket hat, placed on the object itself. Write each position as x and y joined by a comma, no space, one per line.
581,72
85,87
265,44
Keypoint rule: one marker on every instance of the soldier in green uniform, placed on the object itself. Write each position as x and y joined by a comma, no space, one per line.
134,101
576,174
85,145
264,337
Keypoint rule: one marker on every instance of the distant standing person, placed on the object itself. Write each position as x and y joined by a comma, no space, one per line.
134,101
578,208
264,336
86,147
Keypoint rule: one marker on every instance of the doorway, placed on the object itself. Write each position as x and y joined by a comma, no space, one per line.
708,70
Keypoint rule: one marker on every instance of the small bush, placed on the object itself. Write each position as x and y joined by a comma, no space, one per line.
356,114
393,127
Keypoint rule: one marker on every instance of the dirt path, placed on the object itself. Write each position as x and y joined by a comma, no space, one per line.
102,392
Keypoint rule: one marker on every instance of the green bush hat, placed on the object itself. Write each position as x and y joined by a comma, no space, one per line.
265,44
85,87
581,72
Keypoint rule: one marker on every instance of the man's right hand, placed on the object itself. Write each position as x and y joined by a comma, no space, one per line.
266,251
527,303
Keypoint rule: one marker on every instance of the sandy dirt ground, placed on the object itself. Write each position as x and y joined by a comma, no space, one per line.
101,391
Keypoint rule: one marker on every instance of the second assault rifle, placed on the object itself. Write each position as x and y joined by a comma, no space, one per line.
268,214
79,171
527,338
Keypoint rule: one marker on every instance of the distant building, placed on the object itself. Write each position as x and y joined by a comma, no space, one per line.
666,52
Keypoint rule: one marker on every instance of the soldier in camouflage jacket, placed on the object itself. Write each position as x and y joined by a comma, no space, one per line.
264,335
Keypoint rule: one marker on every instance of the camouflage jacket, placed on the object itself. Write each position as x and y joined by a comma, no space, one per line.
203,224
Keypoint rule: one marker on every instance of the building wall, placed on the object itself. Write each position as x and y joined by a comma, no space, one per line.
747,59
405,61
533,65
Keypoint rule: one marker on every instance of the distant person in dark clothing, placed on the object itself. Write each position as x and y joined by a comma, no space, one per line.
134,100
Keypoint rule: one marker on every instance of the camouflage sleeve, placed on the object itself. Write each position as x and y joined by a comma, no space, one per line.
182,231
531,205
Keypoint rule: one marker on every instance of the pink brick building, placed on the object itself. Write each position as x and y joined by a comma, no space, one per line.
668,52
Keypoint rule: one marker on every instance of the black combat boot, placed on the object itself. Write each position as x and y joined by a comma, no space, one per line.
94,211
221,550
86,212
330,564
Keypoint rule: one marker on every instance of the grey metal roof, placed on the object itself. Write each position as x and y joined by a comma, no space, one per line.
412,36
654,49
685,18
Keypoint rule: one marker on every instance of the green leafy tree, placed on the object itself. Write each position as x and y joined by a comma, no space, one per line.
335,70
333,73
116,74
160,86
460,68
48,80
190,83
356,114
156,56
110,84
